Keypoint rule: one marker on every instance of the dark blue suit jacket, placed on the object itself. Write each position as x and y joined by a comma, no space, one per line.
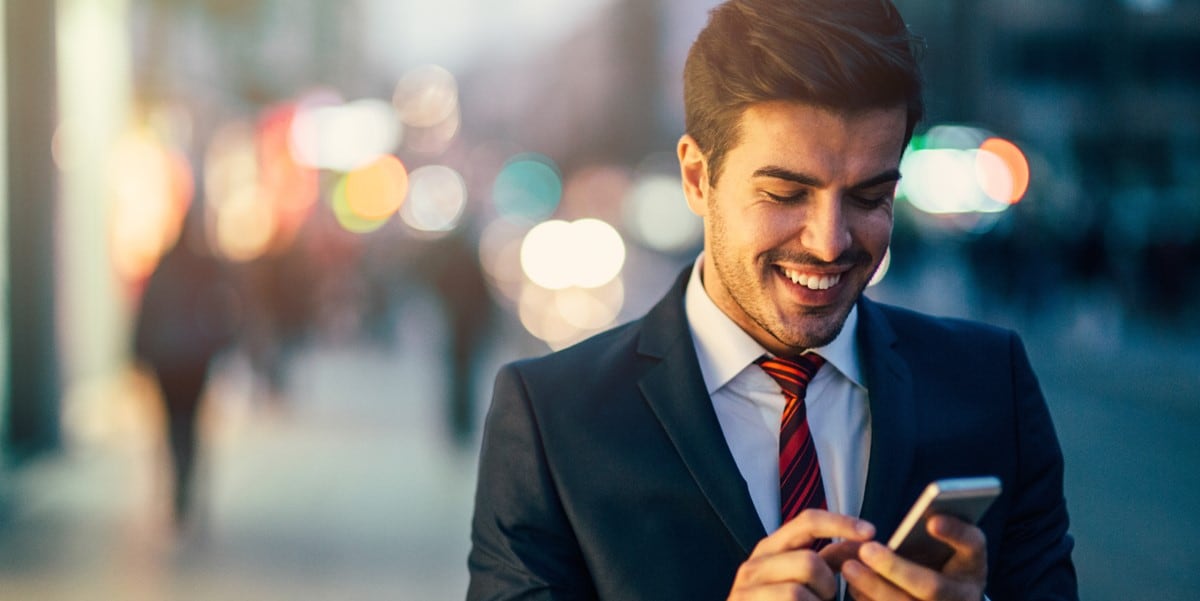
604,472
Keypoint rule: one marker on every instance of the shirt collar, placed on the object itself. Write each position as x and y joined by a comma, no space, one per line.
724,349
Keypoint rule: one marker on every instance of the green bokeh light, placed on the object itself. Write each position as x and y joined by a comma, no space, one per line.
528,188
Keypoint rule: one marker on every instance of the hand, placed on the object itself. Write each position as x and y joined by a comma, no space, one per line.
880,575
784,566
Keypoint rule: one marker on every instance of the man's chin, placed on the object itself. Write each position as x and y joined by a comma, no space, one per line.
815,333
810,337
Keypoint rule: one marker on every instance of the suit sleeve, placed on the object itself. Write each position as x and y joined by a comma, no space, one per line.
522,544
1035,554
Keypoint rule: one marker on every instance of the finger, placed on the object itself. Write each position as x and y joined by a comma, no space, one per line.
914,579
968,541
802,567
836,554
866,585
858,595
810,525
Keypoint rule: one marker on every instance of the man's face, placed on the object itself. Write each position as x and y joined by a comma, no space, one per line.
799,219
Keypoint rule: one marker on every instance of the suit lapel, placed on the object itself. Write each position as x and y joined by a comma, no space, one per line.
893,415
674,389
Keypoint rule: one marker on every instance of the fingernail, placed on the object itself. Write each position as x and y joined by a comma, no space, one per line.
864,528
851,568
870,551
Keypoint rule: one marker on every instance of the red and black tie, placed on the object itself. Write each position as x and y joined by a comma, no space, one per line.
800,485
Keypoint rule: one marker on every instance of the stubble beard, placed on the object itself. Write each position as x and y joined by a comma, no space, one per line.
746,288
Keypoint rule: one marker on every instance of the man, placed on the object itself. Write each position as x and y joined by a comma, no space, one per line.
712,448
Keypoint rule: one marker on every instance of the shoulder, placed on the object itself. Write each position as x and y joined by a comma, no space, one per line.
916,328
609,355
953,349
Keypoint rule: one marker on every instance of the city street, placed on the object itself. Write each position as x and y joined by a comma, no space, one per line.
348,489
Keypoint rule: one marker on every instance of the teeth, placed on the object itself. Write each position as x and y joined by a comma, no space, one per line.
812,281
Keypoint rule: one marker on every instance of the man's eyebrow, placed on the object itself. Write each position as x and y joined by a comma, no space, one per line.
891,175
887,177
789,175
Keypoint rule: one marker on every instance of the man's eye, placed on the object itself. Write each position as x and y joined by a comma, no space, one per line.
798,196
871,201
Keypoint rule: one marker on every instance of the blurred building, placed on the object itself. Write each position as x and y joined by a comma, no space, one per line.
1103,96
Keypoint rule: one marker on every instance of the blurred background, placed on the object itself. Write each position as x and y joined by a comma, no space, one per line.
262,259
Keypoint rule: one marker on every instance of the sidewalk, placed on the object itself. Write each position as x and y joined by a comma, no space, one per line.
347,491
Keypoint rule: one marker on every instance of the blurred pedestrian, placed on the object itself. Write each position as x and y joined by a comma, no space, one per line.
452,269
185,320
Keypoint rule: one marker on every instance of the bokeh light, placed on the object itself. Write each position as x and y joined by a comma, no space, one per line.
244,226
590,192
426,103
962,173
591,309
151,185
435,139
563,317
545,255
657,215
940,181
436,200
500,256
232,225
426,96
377,190
587,253
951,136
258,196
527,189
344,137
290,188
346,216
1016,163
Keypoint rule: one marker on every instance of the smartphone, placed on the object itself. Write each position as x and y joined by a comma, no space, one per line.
964,498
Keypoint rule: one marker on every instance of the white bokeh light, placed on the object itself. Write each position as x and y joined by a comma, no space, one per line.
587,253
437,196
426,96
657,214
947,181
344,137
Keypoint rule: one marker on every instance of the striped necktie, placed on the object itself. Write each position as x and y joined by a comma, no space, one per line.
800,485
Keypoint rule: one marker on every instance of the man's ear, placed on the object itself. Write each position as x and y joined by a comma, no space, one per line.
693,168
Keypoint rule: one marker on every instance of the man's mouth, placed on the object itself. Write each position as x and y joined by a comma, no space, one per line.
812,281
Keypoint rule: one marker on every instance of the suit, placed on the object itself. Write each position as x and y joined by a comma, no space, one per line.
604,472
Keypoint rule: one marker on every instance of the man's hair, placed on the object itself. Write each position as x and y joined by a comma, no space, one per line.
844,55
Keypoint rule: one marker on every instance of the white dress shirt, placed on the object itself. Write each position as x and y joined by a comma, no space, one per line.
749,406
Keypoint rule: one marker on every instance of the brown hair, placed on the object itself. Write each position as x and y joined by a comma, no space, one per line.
845,55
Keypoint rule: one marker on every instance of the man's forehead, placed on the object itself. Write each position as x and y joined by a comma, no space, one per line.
799,134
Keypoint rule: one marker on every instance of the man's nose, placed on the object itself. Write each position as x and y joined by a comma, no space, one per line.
826,233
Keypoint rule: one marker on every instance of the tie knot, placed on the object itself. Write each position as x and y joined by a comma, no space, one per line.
792,373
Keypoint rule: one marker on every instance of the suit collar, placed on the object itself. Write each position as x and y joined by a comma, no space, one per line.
893,418
675,391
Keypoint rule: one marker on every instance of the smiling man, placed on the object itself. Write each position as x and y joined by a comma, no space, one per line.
760,430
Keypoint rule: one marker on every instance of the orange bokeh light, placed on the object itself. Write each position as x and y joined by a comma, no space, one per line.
377,190
152,186
1014,159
